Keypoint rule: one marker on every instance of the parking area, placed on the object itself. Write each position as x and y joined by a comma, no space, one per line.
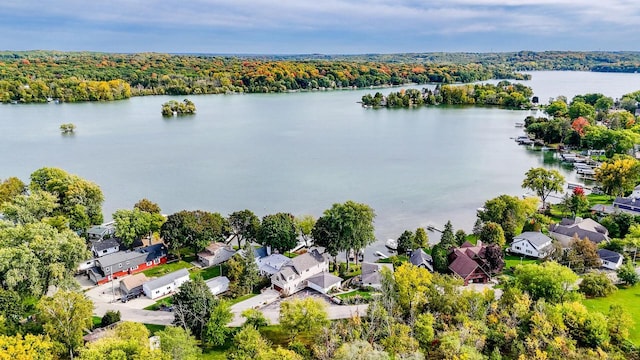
109,293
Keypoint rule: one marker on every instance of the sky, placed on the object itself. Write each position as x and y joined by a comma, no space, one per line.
319,26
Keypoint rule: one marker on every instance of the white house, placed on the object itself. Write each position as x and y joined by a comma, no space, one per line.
532,243
105,247
610,259
166,284
567,229
293,276
271,264
214,254
218,284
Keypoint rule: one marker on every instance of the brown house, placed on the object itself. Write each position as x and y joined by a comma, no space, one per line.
469,262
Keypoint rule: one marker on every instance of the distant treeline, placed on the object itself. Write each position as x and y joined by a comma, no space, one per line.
503,94
38,76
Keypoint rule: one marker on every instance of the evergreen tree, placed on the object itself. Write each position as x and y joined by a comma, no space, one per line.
447,240
249,277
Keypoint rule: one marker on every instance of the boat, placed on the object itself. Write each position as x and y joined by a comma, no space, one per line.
519,124
381,255
391,244
572,186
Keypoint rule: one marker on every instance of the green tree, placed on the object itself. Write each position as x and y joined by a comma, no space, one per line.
27,347
64,317
303,316
249,277
440,257
557,108
128,341
345,227
579,108
543,182
254,318
195,229
279,232
549,281
423,329
618,175
448,239
405,242
492,233
619,323
359,350
595,284
148,206
461,237
10,188
192,307
508,211
110,317
420,239
305,225
244,225
11,309
131,225
627,274
25,209
582,255
179,343
219,317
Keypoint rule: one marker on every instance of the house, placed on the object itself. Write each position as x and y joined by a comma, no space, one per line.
610,259
271,264
122,263
218,285
567,229
469,263
294,275
532,243
100,232
324,282
629,204
105,247
166,284
372,274
420,258
131,286
214,254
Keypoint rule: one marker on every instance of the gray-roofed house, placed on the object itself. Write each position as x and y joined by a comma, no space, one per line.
629,205
105,247
565,231
218,285
610,259
532,243
372,274
293,276
122,263
100,232
131,286
214,254
166,284
271,264
324,282
420,258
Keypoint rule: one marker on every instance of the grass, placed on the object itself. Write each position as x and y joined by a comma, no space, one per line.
168,301
513,261
153,328
364,294
628,299
167,268
276,335
96,321
599,199
241,298
290,255
207,273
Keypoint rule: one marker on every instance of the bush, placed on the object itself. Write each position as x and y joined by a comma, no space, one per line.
110,317
627,274
596,285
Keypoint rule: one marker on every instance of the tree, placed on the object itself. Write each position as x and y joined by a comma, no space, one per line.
279,232
492,233
557,108
195,229
618,175
25,209
64,317
244,225
596,284
10,188
249,277
345,227
250,345
128,340
67,128
179,343
543,182
627,274
619,322
549,280
29,347
219,317
461,237
405,242
359,350
131,225
582,255
305,225
110,317
508,211
11,309
254,318
192,306
423,329
495,257
148,206
440,257
420,239
581,109
477,227
577,202
447,240
412,284
303,316
400,343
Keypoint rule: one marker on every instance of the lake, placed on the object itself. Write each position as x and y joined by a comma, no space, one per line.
296,152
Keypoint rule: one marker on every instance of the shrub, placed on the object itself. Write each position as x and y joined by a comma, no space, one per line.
110,317
596,285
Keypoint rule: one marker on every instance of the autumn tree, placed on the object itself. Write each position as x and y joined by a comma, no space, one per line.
543,182
27,347
10,188
618,175
147,205
412,283
582,255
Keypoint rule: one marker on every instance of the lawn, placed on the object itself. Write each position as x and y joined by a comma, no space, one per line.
513,261
154,328
628,299
241,298
364,294
168,301
167,268
599,199
208,273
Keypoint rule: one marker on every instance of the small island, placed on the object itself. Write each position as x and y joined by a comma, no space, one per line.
172,107
67,128
504,94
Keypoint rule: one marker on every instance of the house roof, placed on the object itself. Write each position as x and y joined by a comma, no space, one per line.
535,238
167,279
372,272
307,261
100,230
215,246
105,244
273,263
134,258
153,251
609,255
463,265
583,228
260,252
134,281
420,258
218,284
324,280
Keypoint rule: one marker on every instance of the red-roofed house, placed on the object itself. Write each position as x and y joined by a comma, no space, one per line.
469,262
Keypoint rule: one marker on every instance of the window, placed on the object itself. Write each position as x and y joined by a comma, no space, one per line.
104,251
107,269
127,262
518,247
135,267
528,251
156,261
120,266
149,263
